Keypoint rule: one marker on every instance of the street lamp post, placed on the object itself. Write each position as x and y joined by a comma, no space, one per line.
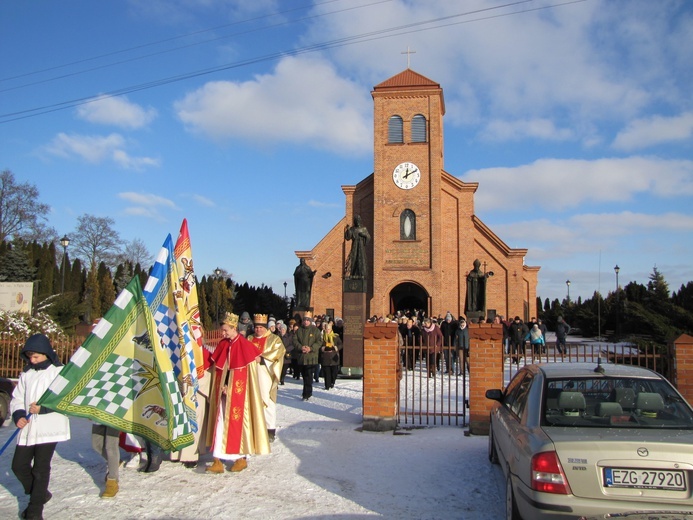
285,284
616,270
64,242
618,301
567,283
217,272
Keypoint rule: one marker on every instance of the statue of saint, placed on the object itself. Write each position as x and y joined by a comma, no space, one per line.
356,264
303,282
476,289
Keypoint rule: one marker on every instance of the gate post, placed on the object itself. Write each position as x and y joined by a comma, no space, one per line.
485,372
681,365
380,376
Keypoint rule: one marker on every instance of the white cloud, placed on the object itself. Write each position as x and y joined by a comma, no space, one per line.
116,111
302,102
203,201
566,66
498,130
560,185
140,211
654,130
147,199
97,150
147,205
317,204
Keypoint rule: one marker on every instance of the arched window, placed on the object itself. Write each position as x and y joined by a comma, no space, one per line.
418,129
407,225
395,130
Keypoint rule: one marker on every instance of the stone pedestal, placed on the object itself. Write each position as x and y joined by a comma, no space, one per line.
354,316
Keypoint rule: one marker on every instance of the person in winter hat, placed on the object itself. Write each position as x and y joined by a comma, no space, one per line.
40,428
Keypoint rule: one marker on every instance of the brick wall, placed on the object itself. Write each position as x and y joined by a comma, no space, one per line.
485,372
380,376
682,366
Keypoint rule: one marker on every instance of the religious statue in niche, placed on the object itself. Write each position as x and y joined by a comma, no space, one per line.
476,291
356,263
303,281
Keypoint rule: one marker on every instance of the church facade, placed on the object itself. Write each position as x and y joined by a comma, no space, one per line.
425,236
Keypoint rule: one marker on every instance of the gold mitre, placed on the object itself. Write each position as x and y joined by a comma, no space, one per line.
260,319
230,319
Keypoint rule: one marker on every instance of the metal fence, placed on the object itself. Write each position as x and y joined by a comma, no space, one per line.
620,353
11,363
433,387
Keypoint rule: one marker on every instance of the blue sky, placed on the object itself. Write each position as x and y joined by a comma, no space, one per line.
576,119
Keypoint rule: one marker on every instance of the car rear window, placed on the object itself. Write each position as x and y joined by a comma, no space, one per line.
614,402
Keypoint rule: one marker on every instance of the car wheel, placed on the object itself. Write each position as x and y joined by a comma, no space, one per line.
4,407
492,453
511,512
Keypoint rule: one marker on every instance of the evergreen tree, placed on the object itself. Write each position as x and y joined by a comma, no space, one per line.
204,307
15,265
92,299
107,293
657,287
684,298
125,272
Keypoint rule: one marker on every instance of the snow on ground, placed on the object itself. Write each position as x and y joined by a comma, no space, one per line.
321,466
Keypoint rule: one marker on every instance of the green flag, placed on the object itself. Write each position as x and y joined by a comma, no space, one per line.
123,377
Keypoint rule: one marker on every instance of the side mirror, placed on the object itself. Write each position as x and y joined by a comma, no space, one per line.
495,394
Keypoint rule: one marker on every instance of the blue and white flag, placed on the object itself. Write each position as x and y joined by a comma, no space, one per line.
172,327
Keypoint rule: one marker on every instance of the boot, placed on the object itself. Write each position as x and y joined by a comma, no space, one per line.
272,434
155,456
239,465
217,467
111,488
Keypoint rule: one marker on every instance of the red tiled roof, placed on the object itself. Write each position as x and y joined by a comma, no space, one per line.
406,79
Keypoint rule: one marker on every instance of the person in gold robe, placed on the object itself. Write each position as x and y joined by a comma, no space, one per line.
269,369
237,417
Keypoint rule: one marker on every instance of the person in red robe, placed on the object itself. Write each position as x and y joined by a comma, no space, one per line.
237,417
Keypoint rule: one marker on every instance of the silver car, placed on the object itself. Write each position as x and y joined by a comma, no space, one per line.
585,439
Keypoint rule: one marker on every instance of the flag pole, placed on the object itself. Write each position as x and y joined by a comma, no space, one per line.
9,441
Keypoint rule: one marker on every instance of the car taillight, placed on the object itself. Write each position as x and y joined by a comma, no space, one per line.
547,474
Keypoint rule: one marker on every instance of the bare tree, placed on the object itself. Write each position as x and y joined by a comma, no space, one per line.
136,252
21,214
95,241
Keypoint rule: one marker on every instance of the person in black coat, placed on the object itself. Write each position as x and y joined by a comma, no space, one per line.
517,331
411,335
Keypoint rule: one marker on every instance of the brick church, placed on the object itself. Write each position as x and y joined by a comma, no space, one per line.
425,236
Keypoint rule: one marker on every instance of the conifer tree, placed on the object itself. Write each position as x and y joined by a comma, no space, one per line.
106,289
15,265
92,298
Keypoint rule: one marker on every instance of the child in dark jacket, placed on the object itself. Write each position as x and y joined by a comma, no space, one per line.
41,428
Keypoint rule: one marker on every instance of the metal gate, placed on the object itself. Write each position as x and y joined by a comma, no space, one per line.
432,387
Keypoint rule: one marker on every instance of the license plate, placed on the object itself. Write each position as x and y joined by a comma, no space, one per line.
645,478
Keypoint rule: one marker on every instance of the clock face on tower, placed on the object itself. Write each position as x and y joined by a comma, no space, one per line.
406,175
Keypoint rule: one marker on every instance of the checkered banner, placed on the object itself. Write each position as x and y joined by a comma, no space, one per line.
171,324
121,378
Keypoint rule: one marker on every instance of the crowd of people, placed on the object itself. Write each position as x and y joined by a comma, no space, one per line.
236,400
237,397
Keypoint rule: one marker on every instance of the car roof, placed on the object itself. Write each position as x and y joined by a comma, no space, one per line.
559,370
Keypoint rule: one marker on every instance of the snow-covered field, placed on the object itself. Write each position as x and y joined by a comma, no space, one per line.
321,466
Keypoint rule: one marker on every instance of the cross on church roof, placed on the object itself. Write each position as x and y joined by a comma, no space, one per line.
408,53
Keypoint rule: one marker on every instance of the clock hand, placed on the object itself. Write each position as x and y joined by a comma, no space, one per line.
410,172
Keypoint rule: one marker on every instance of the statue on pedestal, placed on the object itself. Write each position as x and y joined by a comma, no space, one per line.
476,292
356,264
303,282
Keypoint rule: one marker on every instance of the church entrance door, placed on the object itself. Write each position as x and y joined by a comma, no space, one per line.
408,296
